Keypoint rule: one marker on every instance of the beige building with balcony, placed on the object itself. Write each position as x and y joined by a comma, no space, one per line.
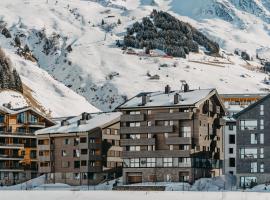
172,136
18,145
82,150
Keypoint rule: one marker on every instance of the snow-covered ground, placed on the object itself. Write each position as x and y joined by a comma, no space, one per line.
95,68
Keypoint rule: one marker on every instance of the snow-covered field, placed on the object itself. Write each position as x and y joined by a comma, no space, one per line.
88,67
123,195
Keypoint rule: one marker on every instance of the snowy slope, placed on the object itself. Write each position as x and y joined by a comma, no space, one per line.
95,68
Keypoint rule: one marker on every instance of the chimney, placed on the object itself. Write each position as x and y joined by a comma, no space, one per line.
145,99
7,105
186,87
176,98
64,123
88,116
167,89
84,115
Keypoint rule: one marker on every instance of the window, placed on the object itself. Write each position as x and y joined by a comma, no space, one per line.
167,162
33,118
134,136
262,167
261,138
66,141
134,162
254,138
184,147
253,167
261,124
77,164
83,140
76,153
149,123
166,123
186,131
2,118
231,127
83,163
135,112
108,131
183,177
171,147
76,176
65,164
184,162
134,148
64,153
248,153
91,140
92,152
115,132
149,112
171,110
231,139
166,135
21,118
135,124
231,162
151,162
171,123
261,110
248,124
92,163
230,150
261,152
149,135
76,141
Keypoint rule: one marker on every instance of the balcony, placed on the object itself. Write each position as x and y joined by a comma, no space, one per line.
133,118
147,129
44,169
43,147
154,154
44,158
11,146
173,116
36,124
2,124
178,140
131,142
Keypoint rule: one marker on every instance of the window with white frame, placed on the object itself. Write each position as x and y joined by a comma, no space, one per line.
253,138
166,123
262,152
149,135
261,124
171,147
167,162
135,112
149,123
134,162
135,124
186,131
171,123
248,124
261,138
262,167
261,110
134,148
171,110
135,136
253,167
185,160
166,135
246,153
151,162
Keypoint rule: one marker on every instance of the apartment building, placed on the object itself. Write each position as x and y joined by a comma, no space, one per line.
253,149
82,150
234,103
172,136
18,160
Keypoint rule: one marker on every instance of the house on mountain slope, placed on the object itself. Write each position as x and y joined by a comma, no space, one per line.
81,150
18,144
172,136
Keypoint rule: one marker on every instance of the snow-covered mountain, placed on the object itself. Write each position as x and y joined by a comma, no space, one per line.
74,41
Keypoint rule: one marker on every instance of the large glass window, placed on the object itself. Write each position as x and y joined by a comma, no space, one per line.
186,131
253,167
2,118
248,124
21,118
33,118
248,153
135,162
254,138
151,162
167,162
247,181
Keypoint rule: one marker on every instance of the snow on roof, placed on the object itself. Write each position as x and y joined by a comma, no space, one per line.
157,99
15,99
97,120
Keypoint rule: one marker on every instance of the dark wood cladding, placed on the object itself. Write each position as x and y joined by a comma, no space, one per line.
146,129
178,140
156,154
173,116
133,118
130,142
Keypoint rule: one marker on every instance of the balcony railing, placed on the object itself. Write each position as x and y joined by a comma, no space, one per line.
178,140
131,142
147,129
39,124
158,153
133,118
173,116
5,145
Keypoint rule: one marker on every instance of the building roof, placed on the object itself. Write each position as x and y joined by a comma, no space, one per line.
251,106
161,99
250,95
97,120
